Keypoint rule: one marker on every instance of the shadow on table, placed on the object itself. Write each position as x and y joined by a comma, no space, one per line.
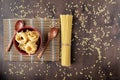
3,77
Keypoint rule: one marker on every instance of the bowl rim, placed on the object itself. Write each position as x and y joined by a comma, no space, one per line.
34,29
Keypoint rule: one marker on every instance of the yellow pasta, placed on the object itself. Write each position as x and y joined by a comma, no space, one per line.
31,47
21,38
32,35
22,46
27,41
66,27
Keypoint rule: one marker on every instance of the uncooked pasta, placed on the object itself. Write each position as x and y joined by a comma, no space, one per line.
32,35
66,28
27,41
31,47
21,37
22,46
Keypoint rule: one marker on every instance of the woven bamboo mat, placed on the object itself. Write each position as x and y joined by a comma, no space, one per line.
43,25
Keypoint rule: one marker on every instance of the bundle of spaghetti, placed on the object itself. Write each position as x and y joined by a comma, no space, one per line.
66,30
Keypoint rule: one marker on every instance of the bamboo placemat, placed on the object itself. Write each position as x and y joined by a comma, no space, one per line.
43,25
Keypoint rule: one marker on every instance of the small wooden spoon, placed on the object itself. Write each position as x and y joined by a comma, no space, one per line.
19,24
52,34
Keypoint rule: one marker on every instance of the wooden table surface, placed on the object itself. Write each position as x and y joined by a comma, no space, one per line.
95,40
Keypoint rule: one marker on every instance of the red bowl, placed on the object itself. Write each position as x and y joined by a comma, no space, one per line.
39,42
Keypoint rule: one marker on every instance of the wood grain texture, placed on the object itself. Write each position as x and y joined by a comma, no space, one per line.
95,39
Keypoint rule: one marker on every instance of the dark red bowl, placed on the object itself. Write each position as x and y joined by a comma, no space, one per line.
39,42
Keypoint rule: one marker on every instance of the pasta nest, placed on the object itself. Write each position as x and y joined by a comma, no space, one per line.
21,37
27,41
32,35
31,47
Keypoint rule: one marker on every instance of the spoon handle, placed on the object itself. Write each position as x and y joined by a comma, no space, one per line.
10,44
42,51
40,54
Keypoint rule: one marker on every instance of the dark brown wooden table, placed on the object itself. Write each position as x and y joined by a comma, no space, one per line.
95,40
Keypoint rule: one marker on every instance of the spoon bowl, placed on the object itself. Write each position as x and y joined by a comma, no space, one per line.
19,24
53,33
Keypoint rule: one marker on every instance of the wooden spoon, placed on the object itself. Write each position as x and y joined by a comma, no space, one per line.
19,24
52,34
